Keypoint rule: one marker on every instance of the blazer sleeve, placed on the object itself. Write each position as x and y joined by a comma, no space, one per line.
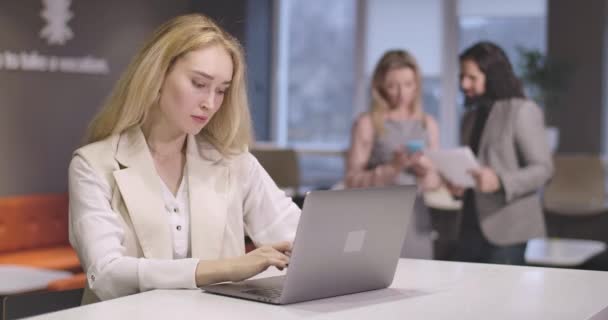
97,234
533,149
269,214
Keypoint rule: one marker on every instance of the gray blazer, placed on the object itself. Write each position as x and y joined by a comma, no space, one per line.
514,145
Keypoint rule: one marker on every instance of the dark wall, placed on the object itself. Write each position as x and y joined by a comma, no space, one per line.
43,114
576,36
230,14
250,21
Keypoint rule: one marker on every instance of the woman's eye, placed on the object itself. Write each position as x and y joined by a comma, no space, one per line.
198,84
221,92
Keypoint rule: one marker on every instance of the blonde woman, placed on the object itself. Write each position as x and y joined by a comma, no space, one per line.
378,156
164,190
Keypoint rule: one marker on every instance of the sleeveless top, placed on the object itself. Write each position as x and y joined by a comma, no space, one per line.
418,243
396,134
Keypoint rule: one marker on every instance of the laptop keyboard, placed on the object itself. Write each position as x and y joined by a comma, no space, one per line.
272,293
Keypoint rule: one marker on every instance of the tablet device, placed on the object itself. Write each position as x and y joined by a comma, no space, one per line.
454,165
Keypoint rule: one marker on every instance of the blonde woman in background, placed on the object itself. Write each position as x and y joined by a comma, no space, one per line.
377,155
164,189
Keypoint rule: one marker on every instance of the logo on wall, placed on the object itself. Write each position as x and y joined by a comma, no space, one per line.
56,13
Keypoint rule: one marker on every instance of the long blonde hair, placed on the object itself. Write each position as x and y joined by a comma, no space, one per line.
393,59
136,92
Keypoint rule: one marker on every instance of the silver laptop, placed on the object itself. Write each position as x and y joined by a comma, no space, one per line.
347,241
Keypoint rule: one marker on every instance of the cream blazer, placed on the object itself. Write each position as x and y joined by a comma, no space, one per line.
228,197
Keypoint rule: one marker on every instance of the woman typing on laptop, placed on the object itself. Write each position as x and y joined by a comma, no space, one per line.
164,189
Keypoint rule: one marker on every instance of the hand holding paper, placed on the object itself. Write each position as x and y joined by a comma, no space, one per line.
455,165
486,180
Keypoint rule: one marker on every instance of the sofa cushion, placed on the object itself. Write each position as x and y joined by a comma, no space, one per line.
76,281
33,221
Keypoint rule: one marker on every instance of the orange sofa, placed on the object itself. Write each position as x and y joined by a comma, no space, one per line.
34,232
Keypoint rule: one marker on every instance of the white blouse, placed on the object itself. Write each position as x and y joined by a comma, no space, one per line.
178,208
106,258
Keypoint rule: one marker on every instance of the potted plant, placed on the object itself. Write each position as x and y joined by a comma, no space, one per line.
545,81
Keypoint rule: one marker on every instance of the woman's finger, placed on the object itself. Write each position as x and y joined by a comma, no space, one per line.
277,263
282,246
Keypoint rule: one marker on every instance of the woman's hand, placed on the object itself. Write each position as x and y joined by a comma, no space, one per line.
401,160
260,259
426,175
420,164
417,162
486,180
456,191
243,267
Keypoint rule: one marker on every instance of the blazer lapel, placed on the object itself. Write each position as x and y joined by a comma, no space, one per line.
208,185
140,187
488,135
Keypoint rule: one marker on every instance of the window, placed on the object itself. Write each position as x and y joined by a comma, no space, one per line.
521,26
320,71
326,52
315,85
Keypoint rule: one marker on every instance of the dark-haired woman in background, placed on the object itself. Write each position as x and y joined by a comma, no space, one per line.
506,132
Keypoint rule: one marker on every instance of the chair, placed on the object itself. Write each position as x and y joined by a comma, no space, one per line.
31,304
575,214
282,166
585,232
575,201
577,186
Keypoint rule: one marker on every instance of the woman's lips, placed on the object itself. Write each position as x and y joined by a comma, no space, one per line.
200,118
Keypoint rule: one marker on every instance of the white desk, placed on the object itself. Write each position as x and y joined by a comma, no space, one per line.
421,290
16,279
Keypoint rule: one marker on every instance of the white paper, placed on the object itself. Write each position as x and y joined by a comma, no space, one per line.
454,165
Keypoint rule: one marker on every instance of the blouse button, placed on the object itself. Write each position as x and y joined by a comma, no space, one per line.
176,210
179,228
